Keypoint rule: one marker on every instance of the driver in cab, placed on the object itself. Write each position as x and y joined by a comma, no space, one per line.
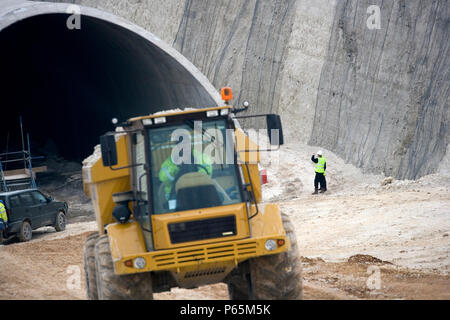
171,172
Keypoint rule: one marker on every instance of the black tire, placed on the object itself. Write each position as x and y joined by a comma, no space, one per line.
60,223
111,286
267,280
26,232
278,277
89,266
238,285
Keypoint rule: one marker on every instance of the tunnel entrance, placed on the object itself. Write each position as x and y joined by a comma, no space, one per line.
68,84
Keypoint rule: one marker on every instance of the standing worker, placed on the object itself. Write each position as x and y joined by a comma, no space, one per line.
3,220
321,166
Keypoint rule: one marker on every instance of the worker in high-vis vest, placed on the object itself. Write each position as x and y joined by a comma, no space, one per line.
321,166
3,219
170,172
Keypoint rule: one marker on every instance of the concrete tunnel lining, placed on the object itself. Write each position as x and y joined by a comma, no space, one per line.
68,84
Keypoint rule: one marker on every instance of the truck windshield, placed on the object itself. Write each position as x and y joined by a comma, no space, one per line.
192,167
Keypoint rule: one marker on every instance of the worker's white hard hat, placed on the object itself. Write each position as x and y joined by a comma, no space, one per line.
320,153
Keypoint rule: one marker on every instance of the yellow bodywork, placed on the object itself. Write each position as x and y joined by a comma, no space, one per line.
251,159
216,257
101,182
192,263
161,232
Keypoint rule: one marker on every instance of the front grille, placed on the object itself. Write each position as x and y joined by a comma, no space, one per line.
202,229
211,253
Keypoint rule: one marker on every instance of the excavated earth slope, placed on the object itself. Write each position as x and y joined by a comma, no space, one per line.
383,94
376,97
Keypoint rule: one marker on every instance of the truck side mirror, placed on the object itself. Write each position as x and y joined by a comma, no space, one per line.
109,151
274,129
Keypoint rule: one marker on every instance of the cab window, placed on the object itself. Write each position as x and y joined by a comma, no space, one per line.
39,197
26,199
14,201
192,168
140,176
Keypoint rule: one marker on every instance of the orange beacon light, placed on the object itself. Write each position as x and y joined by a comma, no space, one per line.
227,94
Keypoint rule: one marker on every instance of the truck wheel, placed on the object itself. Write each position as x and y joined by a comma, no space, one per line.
60,224
237,282
278,276
271,277
237,293
111,286
25,232
89,266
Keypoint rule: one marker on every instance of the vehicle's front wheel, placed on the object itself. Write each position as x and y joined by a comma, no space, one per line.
26,232
60,224
278,276
271,277
89,266
111,286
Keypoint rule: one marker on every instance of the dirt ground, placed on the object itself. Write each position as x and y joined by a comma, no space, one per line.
361,240
53,269
340,260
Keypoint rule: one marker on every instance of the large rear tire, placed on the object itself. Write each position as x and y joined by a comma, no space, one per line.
89,266
272,277
111,286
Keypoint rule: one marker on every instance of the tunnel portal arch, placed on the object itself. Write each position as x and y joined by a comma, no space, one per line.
68,84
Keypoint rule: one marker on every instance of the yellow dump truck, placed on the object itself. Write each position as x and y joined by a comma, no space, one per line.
177,199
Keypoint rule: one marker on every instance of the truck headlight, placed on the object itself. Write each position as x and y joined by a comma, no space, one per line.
139,263
270,245
159,120
212,113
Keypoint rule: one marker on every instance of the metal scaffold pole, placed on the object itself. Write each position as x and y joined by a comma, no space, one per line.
33,182
23,144
3,177
16,178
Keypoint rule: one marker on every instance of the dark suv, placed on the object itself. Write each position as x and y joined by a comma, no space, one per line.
28,210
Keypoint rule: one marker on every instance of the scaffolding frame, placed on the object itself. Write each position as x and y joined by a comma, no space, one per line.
16,179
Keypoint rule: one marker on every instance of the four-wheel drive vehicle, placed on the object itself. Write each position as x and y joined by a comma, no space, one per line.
177,199
28,210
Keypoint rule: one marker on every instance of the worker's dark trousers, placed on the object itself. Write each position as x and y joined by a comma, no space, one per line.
320,178
3,228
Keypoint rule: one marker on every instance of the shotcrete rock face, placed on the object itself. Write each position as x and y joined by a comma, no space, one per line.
68,84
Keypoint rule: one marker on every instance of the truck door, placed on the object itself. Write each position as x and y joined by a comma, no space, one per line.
46,209
31,209
16,213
